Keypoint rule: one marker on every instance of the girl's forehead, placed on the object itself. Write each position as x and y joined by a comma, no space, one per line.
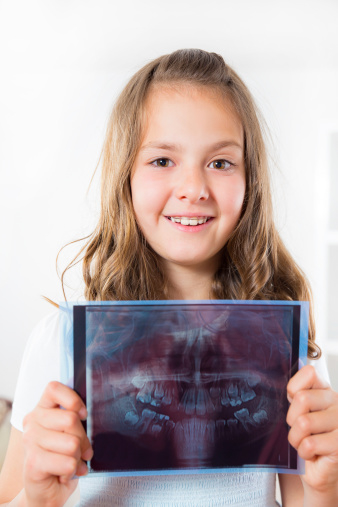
182,90
169,97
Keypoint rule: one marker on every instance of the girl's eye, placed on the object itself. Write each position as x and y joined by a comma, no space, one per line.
221,164
161,162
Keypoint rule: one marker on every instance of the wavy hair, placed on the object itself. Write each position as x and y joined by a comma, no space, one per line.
119,264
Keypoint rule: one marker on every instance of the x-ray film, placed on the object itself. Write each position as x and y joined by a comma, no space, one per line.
185,387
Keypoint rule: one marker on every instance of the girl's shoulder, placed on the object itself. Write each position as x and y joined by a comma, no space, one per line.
40,364
43,340
321,367
47,326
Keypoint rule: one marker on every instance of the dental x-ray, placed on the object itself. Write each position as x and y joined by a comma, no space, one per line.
185,387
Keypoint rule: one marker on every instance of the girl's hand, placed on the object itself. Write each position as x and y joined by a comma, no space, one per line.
55,445
313,418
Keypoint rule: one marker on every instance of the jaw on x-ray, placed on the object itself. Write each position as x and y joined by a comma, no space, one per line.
200,386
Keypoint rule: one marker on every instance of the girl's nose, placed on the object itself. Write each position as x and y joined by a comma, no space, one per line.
191,185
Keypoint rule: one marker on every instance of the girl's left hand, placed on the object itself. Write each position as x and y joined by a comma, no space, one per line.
313,419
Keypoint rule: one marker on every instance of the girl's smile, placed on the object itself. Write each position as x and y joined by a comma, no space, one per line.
190,223
188,179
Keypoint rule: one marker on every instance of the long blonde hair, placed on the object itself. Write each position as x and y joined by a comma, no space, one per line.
119,264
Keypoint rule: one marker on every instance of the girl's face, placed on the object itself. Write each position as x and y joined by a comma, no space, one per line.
188,179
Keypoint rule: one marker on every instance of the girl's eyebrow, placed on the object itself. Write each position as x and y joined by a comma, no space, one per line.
178,147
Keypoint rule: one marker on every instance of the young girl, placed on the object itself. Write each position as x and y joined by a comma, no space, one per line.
185,214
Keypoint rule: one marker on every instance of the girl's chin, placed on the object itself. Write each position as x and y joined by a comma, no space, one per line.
199,263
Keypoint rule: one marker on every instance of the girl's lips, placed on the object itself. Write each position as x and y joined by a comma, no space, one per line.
189,215
189,220
190,228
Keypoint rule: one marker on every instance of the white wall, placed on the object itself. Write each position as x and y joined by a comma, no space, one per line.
63,63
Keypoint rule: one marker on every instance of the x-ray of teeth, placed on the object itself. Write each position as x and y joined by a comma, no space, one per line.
187,386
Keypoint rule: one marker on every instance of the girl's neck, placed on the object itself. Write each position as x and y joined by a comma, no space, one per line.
189,283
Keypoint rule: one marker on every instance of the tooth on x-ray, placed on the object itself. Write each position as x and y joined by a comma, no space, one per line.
131,418
138,381
159,391
260,416
247,393
198,385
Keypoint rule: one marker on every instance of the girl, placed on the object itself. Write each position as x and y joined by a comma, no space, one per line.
185,214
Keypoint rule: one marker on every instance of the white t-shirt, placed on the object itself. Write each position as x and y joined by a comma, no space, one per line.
41,364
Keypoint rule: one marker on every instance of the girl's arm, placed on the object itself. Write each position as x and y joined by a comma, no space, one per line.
11,482
292,490
44,458
313,421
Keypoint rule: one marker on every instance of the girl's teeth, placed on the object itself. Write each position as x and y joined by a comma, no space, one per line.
188,221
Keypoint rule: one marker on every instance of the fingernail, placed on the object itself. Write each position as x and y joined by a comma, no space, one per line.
83,413
88,454
82,469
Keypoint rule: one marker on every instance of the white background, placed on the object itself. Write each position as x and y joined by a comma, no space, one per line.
62,64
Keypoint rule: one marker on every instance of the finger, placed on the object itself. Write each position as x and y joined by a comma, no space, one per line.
60,443
60,420
68,422
43,421
41,464
57,394
310,400
305,378
325,444
82,469
313,423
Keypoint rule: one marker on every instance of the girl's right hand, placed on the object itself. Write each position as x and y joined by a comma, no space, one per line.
55,446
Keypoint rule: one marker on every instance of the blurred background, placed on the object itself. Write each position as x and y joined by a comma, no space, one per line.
62,65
